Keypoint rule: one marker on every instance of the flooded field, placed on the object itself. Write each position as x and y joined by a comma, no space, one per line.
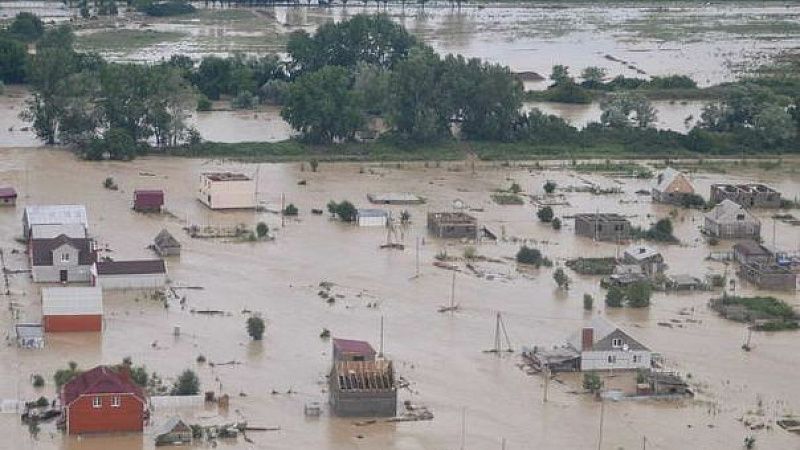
488,397
709,42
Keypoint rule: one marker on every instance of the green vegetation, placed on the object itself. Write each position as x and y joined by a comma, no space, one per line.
256,327
532,256
186,384
556,223
345,210
661,231
63,376
592,382
165,9
261,230
549,187
561,278
290,210
636,295
26,27
545,214
588,302
503,198
37,380
592,266
13,57
767,313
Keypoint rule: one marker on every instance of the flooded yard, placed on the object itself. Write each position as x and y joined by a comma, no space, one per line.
441,355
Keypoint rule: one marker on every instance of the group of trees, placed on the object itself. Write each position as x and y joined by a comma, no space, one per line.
636,295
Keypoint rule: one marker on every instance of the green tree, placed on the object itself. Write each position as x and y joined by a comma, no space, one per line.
593,76
614,297
545,214
588,301
346,211
261,230
116,143
322,107
26,27
549,187
638,294
186,384
256,327
624,110
371,84
13,57
528,255
560,75
37,380
592,382
775,126
561,278
290,210
556,223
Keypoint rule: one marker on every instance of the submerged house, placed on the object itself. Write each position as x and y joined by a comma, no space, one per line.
395,198
148,200
602,227
770,275
174,432
72,309
749,251
671,186
604,346
53,215
8,196
61,259
749,195
103,400
360,384
729,220
372,218
647,258
166,245
29,335
227,190
452,225
136,274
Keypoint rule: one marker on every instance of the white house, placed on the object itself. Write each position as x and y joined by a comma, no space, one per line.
53,215
141,274
372,218
61,259
227,190
604,346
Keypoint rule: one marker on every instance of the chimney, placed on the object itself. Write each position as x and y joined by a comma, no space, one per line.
587,339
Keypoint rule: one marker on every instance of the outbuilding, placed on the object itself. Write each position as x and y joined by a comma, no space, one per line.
647,258
148,200
72,309
8,196
352,350
165,244
29,335
372,218
602,227
174,432
138,274
672,186
227,190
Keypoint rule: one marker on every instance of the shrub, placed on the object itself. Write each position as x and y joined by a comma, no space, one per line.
243,100
549,187
262,229
37,381
63,376
561,279
638,294
203,103
588,302
527,255
186,384
470,252
109,183
201,359
290,210
256,327
614,297
545,214
556,223
515,188
26,27
592,382
346,211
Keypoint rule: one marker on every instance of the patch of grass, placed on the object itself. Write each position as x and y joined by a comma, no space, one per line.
769,313
504,198
125,40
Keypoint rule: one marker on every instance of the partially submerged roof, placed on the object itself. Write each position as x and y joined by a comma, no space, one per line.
603,332
42,250
640,252
172,425
353,346
730,211
226,176
601,217
165,239
452,217
53,230
67,301
137,267
394,197
664,181
364,376
56,214
368,212
8,192
751,248
100,380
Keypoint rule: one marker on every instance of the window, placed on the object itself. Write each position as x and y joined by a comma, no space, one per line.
740,217
64,257
612,359
637,359
97,402
616,342
115,401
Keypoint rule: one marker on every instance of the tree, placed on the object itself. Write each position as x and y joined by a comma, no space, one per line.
545,214
346,211
560,75
322,107
186,384
556,223
63,376
775,126
588,301
593,76
256,327
592,382
37,380
527,255
26,27
116,143
624,110
290,210
371,84
561,278
261,230
614,297
549,187
13,57
638,294
515,188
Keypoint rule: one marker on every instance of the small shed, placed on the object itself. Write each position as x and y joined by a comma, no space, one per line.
452,225
8,196
72,309
166,245
137,274
372,218
29,335
148,200
746,252
648,258
174,432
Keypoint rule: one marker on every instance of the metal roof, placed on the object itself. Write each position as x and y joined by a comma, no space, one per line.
29,330
729,211
56,214
372,213
65,301
54,230
136,267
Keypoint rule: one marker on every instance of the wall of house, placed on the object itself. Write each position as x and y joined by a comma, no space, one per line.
147,281
52,274
73,323
83,417
609,231
732,230
458,231
364,404
598,360
370,221
168,251
228,194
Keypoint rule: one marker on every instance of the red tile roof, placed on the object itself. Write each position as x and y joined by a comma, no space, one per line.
100,380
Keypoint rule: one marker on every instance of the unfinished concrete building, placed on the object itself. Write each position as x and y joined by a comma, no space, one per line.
452,225
363,389
750,195
769,276
602,227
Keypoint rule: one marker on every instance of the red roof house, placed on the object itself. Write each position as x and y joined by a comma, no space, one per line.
148,199
8,196
351,350
103,400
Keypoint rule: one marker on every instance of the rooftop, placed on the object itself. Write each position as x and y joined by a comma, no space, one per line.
640,251
138,267
602,217
53,230
28,330
226,176
56,214
751,248
364,376
42,250
367,212
353,346
100,380
728,210
7,192
394,197
165,239
64,301
452,217
747,187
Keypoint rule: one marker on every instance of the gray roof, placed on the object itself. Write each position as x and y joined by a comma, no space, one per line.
729,211
666,177
604,333
28,331
56,214
171,424
751,248
52,230
640,252
165,239
135,267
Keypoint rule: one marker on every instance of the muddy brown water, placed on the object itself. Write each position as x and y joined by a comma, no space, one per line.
440,354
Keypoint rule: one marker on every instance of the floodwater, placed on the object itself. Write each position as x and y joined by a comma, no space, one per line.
488,397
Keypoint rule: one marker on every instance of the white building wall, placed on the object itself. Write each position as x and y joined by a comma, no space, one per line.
372,221
146,281
598,360
227,194
52,274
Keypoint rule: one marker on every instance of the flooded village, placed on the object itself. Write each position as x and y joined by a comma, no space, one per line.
569,301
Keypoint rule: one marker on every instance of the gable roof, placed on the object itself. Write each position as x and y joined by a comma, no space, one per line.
100,380
353,346
53,230
604,333
43,214
667,177
42,250
729,211
138,267
165,239
173,424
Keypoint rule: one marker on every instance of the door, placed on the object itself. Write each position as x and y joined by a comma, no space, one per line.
62,276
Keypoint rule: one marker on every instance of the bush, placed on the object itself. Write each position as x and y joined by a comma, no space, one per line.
549,187
63,376
26,27
110,184
262,229
527,255
614,297
346,211
243,100
165,9
592,382
561,279
200,359
256,327
274,92
638,294
568,93
186,384
203,103
515,188
545,214
13,59
556,223
290,210
588,302
37,381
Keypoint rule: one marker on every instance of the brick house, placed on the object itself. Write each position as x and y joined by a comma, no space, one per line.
103,400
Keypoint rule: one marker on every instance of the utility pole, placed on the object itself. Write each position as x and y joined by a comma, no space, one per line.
381,351
644,442
283,208
602,414
417,257
546,381
463,428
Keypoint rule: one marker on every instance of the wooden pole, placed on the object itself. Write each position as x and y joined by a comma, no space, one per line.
546,381
417,256
381,352
283,208
602,414
453,292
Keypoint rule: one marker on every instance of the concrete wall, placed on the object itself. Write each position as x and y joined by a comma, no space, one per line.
364,404
606,231
732,230
52,274
598,360
228,194
149,281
